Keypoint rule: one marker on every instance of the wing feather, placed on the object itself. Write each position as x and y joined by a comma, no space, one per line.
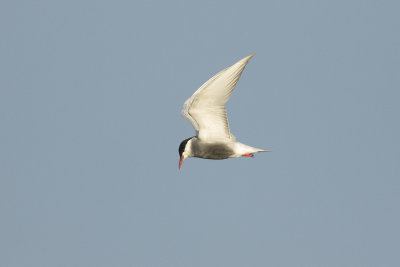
205,109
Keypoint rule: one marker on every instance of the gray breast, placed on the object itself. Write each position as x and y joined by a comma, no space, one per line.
211,150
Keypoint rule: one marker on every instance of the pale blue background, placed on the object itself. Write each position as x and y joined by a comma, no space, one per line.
90,100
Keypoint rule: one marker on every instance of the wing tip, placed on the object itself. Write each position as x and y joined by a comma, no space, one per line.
246,59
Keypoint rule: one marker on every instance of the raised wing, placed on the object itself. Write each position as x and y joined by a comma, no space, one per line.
205,109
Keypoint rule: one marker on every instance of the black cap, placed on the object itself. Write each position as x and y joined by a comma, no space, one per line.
183,145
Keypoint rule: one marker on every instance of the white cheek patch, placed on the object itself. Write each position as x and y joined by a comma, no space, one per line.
188,149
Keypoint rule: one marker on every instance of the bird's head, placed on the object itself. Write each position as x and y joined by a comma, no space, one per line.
185,150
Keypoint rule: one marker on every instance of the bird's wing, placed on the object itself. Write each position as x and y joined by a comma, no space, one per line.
205,109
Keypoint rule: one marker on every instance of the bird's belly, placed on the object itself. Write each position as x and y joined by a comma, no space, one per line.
212,151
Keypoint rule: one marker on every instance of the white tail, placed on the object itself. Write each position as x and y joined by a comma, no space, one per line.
242,149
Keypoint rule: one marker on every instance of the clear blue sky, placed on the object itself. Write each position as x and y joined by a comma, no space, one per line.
90,101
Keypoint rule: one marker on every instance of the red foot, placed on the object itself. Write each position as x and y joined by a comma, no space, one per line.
248,155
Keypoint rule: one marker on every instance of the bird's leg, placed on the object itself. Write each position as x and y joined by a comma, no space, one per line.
248,155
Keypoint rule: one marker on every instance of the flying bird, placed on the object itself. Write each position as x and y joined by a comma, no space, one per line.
206,111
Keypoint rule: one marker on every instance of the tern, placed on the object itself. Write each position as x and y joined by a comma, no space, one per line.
206,111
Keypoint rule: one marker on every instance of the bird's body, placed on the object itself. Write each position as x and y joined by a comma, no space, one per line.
218,149
205,109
